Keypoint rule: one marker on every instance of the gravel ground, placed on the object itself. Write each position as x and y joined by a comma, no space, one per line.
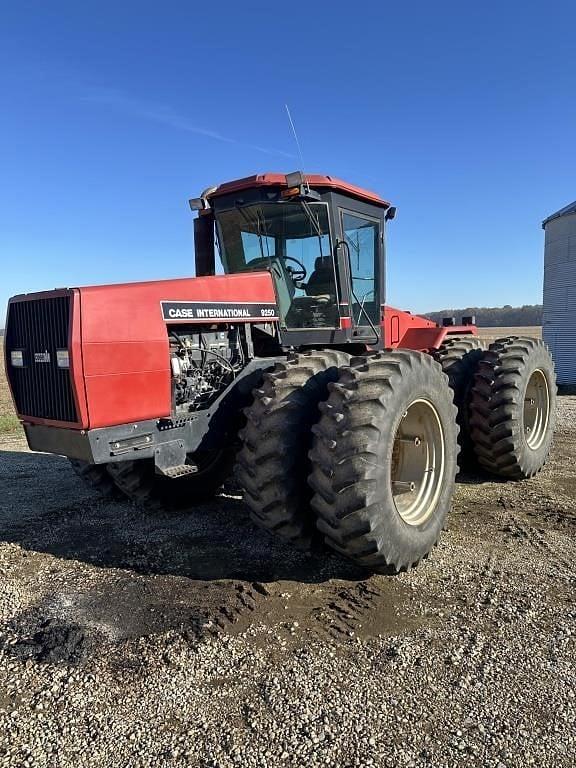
192,639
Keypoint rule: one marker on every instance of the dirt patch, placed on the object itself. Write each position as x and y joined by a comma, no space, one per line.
150,572
53,642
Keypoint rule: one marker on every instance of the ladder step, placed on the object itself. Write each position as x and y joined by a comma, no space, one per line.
180,470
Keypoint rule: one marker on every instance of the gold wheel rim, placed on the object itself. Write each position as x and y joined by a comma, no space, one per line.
418,462
536,414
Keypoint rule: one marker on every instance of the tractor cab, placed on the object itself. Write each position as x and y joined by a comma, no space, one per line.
321,239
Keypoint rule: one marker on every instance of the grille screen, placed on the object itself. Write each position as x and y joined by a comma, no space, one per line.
39,327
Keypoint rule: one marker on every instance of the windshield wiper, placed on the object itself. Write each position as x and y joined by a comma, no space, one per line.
311,218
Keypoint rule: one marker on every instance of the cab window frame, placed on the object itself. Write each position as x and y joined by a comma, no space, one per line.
356,207
280,250
378,261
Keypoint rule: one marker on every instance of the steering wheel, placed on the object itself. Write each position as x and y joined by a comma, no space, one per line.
298,274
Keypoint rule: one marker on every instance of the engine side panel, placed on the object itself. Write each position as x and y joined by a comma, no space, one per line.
118,344
125,346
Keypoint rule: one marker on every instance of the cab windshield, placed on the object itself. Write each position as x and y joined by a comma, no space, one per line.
292,240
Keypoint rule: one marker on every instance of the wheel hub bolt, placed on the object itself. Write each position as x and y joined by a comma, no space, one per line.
410,440
403,486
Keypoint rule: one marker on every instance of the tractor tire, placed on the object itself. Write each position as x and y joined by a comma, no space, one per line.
272,465
513,407
139,482
385,460
96,477
459,357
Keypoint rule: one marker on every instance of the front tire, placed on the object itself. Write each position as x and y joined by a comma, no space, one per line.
272,465
513,409
139,482
385,460
96,477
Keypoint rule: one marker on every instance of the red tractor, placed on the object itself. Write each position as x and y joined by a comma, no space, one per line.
343,417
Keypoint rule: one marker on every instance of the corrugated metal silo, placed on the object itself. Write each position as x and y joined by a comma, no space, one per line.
559,321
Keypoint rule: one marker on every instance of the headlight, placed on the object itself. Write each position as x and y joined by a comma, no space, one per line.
17,358
62,358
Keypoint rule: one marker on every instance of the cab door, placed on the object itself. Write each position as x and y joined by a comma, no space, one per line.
362,238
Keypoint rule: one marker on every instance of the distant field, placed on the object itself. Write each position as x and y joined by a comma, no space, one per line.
491,334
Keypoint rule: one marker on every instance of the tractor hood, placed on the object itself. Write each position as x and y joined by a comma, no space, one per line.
99,356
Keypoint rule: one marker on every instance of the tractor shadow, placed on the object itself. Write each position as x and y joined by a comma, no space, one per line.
91,573
44,507
477,477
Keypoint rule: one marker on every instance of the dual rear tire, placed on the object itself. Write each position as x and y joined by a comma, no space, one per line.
513,407
506,400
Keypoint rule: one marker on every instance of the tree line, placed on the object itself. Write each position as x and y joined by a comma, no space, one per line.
490,317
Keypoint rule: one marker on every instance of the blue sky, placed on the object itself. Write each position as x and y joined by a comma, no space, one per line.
114,114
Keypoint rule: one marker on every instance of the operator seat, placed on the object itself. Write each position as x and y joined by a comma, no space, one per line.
321,280
317,309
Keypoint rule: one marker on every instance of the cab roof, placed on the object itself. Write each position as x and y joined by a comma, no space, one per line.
314,180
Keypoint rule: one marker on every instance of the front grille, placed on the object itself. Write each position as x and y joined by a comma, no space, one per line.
40,387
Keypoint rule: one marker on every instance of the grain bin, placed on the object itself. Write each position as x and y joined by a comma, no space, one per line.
559,320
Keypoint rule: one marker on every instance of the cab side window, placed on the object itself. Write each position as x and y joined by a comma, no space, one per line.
362,238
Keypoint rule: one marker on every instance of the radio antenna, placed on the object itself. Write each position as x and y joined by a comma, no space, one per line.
297,144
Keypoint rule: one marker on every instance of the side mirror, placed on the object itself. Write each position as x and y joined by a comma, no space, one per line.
390,213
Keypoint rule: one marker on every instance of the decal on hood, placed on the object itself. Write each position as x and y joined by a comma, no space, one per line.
173,311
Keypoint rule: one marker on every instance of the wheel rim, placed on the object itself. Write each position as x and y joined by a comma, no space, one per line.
536,409
418,462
